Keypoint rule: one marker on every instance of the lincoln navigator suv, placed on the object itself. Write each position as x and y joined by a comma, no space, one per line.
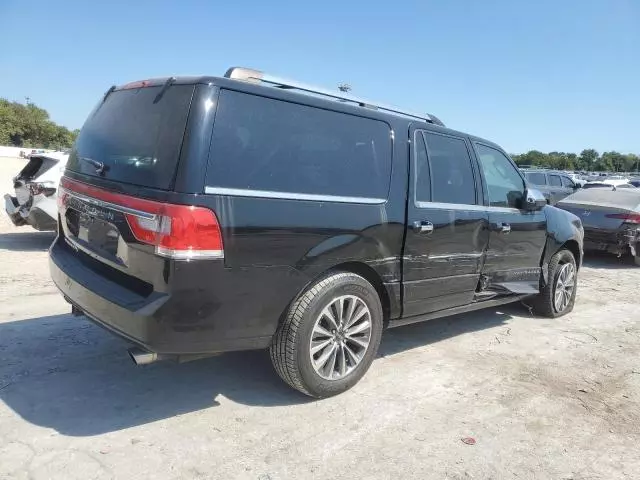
200,215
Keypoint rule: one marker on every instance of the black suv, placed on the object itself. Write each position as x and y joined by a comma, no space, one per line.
203,215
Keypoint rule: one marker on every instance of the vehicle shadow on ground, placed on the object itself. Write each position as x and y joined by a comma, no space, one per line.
65,373
608,261
27,241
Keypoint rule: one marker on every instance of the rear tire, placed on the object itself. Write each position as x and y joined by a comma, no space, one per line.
329,336
559,294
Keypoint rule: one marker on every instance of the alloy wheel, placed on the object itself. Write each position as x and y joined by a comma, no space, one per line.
340,337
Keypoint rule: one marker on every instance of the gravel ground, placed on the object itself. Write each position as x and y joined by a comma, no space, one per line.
556,399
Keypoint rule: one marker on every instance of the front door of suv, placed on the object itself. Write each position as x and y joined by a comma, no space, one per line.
447,227
517,236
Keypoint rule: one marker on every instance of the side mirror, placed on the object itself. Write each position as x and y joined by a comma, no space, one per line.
576,186
534,199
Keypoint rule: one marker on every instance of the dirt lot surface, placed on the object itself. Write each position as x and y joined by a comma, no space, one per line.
556,399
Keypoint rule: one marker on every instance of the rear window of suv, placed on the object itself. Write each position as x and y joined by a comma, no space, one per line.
276,146
137,134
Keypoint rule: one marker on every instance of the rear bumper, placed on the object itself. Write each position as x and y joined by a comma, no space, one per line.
36,217
209,313
617,242
12,208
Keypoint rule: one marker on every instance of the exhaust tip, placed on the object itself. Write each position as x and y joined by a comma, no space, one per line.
142,357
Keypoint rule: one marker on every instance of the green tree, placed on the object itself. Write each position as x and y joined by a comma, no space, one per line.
27,125
588,159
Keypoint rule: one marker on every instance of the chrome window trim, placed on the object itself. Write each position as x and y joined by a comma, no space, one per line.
109,205
241,192
188,254
462,206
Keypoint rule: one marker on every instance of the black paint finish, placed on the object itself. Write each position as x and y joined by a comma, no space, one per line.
275,247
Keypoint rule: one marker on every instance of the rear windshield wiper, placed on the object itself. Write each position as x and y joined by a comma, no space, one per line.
165,87
99,166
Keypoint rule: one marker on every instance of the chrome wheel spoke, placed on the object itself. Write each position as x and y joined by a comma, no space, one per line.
320,345
324,358
328,314
564,287
359,328
358,341
320,331
331,364
352,356
342,361
340,337
358,314
352,306
340,308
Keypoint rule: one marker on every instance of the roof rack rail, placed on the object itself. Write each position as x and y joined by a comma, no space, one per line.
256,76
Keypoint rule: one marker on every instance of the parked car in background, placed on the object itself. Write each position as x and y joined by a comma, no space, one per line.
35,200
611,218
553,185
616,180
205,214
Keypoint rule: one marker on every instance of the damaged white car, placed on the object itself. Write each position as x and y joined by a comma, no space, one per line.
36,186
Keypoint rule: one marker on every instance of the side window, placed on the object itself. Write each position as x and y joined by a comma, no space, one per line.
536,178
504,184
422,175
567,182
451,171
554,181
271,145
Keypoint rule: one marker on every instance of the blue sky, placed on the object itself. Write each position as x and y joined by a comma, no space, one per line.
548,75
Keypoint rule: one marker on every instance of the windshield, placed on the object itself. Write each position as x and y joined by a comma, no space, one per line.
136,134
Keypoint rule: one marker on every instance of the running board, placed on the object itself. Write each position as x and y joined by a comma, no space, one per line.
519,288
455,310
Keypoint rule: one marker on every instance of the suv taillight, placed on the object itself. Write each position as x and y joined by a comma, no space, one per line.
627,217
177,231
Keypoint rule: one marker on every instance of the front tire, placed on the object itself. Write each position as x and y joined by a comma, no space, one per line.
329,336
559,294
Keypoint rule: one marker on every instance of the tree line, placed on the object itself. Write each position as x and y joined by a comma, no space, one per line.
588,160
27,125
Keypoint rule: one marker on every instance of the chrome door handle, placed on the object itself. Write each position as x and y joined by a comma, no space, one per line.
421,226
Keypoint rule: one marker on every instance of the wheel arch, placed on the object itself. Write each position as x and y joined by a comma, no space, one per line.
574,248
371,276
361,269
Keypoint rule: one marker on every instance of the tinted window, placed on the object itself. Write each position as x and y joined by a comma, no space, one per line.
504,184
536,178
451,171
423,178
554,181
265,144
567,182
136,135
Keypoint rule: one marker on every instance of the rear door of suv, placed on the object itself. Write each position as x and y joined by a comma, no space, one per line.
447,227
